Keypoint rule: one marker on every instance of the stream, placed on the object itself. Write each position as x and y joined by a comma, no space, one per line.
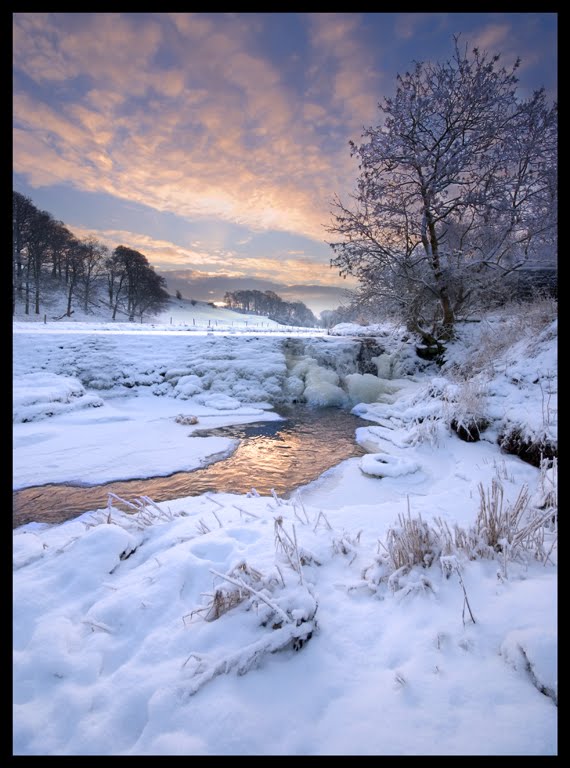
271,455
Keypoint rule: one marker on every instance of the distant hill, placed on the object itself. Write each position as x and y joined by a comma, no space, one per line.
189,311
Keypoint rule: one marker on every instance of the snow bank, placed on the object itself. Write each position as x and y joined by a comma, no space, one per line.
40,395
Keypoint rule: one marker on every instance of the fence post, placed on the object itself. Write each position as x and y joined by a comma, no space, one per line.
45,319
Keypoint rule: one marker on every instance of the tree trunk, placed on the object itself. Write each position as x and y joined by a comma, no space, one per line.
37,279
72,283
27,293
431,247
19,276
448,322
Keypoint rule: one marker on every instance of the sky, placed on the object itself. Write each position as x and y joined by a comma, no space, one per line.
214,143
318,643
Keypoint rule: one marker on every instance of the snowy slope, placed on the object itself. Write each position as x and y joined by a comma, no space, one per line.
178,313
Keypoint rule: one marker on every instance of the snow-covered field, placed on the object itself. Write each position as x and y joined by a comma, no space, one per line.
178,314
368,614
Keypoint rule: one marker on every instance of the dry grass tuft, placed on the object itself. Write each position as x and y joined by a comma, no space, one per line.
412,542
498,526
144,511
226,597
287,544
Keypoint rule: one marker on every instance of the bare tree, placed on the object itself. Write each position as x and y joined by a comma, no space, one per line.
95,255
46,255
38,247
457,188
22,213
116,281
134,283
59,247
76,254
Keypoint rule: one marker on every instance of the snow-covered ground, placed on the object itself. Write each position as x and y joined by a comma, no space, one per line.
178,314
375,612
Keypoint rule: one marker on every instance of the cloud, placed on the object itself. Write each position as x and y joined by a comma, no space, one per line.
407,25
194,284
110,48
162,254
186,113
499,38
181,113
37,50
343,67
491,37
166,256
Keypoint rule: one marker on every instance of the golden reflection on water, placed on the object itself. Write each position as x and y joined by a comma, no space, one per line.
294,453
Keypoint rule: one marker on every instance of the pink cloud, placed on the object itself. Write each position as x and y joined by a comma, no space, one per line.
491,37
191,25
219,135
36,48
109,47
333,29
167,257
34,115
407,24
352,79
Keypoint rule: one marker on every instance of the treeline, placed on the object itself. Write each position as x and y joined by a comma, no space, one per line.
47,257
273,306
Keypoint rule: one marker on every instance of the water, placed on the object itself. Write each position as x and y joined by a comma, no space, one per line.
272,455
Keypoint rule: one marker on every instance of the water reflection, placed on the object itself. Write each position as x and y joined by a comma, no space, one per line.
273,455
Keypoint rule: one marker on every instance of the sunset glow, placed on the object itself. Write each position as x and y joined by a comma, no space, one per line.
214,143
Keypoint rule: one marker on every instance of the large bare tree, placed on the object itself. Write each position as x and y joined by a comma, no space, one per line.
457,189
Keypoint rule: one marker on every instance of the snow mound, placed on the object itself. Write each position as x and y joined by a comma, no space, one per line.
534,652
40,395
383,465
220,402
